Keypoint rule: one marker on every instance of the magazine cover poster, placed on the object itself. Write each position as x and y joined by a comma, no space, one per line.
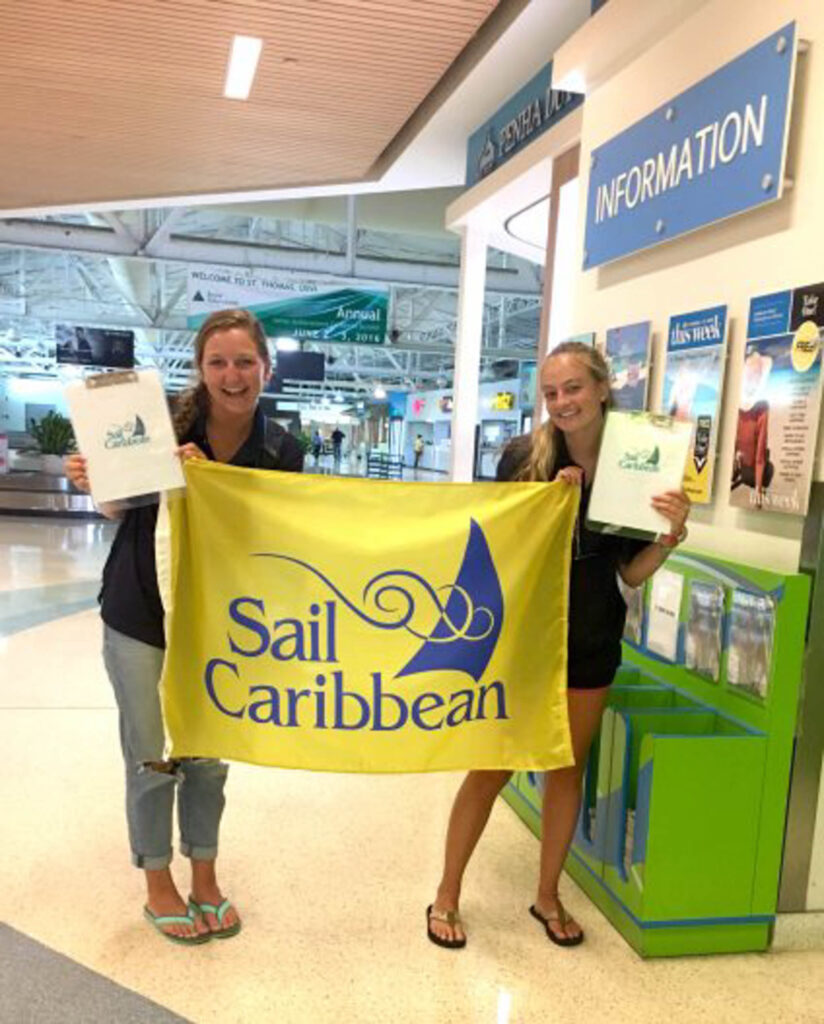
693,382
627,352
779,403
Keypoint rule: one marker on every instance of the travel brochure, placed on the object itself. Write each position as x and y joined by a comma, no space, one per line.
627,352
665,613
705,621
634,599
779,402
693,381
752,623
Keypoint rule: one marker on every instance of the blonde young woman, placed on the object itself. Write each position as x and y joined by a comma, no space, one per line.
575,386
218,419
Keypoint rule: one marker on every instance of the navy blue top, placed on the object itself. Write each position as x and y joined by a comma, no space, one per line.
597,611
129,598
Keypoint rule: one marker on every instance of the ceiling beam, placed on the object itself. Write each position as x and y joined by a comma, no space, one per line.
99,241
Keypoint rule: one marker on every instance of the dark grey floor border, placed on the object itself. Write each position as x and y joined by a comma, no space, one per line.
40,986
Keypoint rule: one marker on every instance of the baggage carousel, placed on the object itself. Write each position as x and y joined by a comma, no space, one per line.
32,493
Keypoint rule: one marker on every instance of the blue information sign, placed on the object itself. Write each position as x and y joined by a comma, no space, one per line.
526,115
713,151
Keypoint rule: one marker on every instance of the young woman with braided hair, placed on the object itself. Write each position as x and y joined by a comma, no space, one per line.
575,387
218,419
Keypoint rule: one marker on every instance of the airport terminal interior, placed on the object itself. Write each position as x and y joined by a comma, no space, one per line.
405,217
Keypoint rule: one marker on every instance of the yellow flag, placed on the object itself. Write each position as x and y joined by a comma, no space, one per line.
361,625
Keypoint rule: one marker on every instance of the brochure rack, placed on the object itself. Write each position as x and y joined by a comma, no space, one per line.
680,835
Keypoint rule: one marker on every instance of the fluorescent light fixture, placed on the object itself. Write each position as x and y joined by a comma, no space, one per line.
243,62
379,392
504,1005
287,345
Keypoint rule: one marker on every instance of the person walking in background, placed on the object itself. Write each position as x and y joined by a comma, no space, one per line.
337,443
417,449
575,385
218,419
317,445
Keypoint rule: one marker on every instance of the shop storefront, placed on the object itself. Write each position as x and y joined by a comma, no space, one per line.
429,416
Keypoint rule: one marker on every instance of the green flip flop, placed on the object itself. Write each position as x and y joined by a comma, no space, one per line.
220,913
159,921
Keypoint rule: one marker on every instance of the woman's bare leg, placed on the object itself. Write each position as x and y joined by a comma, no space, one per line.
469,816
562,801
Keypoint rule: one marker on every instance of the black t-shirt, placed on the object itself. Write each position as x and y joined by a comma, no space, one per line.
130,599
597,611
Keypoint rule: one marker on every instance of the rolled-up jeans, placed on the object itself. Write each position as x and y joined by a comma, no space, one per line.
134,671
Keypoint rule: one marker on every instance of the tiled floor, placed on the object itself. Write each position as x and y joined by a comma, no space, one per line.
331,873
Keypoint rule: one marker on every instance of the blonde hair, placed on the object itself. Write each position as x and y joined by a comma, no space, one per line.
547,443
194,401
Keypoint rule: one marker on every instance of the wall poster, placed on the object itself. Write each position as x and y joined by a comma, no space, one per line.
779,402
693,381
627,352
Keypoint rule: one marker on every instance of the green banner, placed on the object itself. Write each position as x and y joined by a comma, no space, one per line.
292,307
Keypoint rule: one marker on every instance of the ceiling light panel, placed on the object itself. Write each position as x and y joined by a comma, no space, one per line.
243,62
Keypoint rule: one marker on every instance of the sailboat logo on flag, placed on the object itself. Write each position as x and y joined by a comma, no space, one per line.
468,613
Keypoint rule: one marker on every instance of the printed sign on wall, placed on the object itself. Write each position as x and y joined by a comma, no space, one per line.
779,402
291,306
693,381
627,352
715,150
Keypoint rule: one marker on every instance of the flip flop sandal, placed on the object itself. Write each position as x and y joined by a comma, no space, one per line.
449,917
562,918
220,913
159,921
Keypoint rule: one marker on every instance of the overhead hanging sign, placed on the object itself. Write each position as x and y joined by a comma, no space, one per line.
779,402
292,307
693,381
93,346
713,151
529,113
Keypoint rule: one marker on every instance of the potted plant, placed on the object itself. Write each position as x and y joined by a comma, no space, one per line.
54,437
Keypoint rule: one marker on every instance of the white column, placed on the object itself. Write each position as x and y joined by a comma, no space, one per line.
468,352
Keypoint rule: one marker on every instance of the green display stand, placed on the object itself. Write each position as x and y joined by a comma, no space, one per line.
680,835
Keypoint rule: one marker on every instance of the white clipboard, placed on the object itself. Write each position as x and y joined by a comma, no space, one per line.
123,428
642,454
